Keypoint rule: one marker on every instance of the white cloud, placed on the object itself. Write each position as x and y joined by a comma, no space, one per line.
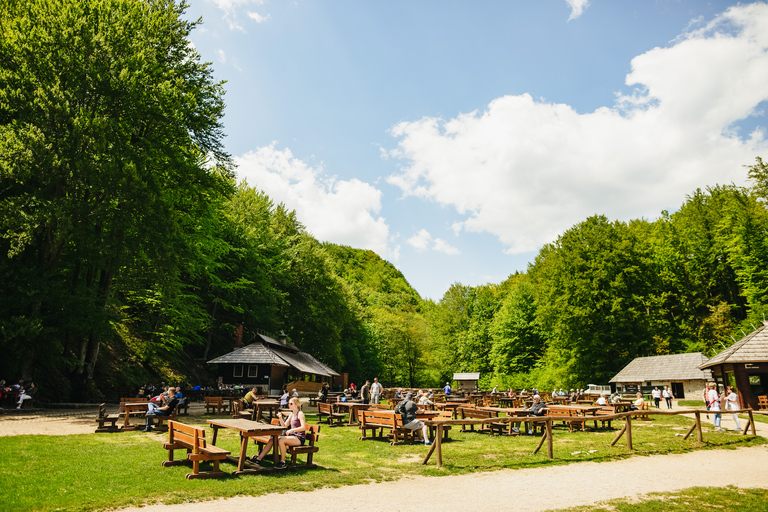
422,240
526,170
231,8
577,8
221,55
258,18
333,210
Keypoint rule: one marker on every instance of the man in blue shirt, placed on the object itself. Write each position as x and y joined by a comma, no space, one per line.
447,389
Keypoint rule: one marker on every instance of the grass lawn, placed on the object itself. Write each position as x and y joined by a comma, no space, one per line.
96,471
695,498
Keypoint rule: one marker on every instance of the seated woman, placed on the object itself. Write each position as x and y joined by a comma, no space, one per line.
639,403
295,434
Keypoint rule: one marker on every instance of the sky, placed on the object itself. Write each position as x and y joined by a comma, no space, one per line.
454,139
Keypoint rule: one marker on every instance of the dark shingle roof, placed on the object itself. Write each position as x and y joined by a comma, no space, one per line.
275,353
671,367
752,348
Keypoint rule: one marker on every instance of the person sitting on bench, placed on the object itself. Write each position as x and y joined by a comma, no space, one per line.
250,397
407,410
155,410
295,433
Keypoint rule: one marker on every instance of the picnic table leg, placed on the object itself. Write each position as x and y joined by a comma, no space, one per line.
243,451
215,432
275,448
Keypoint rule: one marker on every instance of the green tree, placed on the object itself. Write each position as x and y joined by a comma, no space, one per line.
109,126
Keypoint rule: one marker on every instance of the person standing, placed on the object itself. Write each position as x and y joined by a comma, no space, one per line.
705,397
668,396
447,388
365,392
324,392
732,404
713,400
656,396
376,389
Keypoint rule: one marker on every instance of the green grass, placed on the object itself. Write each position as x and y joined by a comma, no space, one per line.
694,498
98,471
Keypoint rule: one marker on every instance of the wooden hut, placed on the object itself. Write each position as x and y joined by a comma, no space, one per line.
466,382
269,364
744,365
681,372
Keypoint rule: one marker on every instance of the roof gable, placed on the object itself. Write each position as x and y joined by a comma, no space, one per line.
669,367
752,348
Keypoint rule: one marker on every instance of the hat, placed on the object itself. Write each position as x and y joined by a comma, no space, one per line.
408,395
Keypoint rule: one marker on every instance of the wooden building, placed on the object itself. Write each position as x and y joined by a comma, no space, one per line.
269,364
744,365
466,381
681,372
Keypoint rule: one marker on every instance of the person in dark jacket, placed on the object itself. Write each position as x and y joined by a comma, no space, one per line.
164,410
324,393
407,410
365,392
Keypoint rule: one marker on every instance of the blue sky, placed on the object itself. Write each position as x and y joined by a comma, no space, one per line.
455,138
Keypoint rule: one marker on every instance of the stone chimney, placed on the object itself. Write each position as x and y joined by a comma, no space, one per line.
282,337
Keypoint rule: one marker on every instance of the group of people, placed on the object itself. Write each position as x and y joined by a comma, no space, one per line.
369,393
666,394
25,391
162,404
715,402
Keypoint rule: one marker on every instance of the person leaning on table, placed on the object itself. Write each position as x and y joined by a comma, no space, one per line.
407,410
295,433
250,397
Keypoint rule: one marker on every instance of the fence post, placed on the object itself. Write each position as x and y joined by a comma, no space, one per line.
550,451
629,432
699,433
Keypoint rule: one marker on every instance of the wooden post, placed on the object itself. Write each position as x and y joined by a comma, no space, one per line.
432,448
541,443
629,432
752,422
689,431
550,451
618,436
439,442
699,432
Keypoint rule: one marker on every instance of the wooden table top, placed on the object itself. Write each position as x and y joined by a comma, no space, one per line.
244,425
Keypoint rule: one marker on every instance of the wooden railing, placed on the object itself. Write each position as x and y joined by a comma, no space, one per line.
548,420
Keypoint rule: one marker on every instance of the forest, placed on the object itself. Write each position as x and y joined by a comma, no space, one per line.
129,252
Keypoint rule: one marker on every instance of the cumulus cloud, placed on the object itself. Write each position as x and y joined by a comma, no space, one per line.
577,8
422,240
525,170
258,18
221,55
231,9
338,211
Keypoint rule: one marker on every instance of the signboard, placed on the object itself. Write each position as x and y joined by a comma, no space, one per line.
630,388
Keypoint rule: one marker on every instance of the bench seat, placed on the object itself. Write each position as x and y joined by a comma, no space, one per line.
192,439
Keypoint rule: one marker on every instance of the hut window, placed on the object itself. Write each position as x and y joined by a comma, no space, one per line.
253,370
238,371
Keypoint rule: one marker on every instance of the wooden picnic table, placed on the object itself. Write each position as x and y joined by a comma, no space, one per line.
248,429
351,408
517,412
576,410
130,406
260,406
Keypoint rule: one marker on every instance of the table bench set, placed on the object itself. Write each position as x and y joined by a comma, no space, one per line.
192,439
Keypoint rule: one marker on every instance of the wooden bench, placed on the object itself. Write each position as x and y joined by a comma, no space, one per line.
192,439
326,411
380,420
639,415
762,402
105,418
130,400
605,410
161,418
478,414
215,405
308,449
183,406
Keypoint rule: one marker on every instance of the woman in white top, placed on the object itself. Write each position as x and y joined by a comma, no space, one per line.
713,401
601,401
732,404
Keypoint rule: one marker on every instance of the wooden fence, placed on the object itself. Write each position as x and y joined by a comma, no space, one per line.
439,424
